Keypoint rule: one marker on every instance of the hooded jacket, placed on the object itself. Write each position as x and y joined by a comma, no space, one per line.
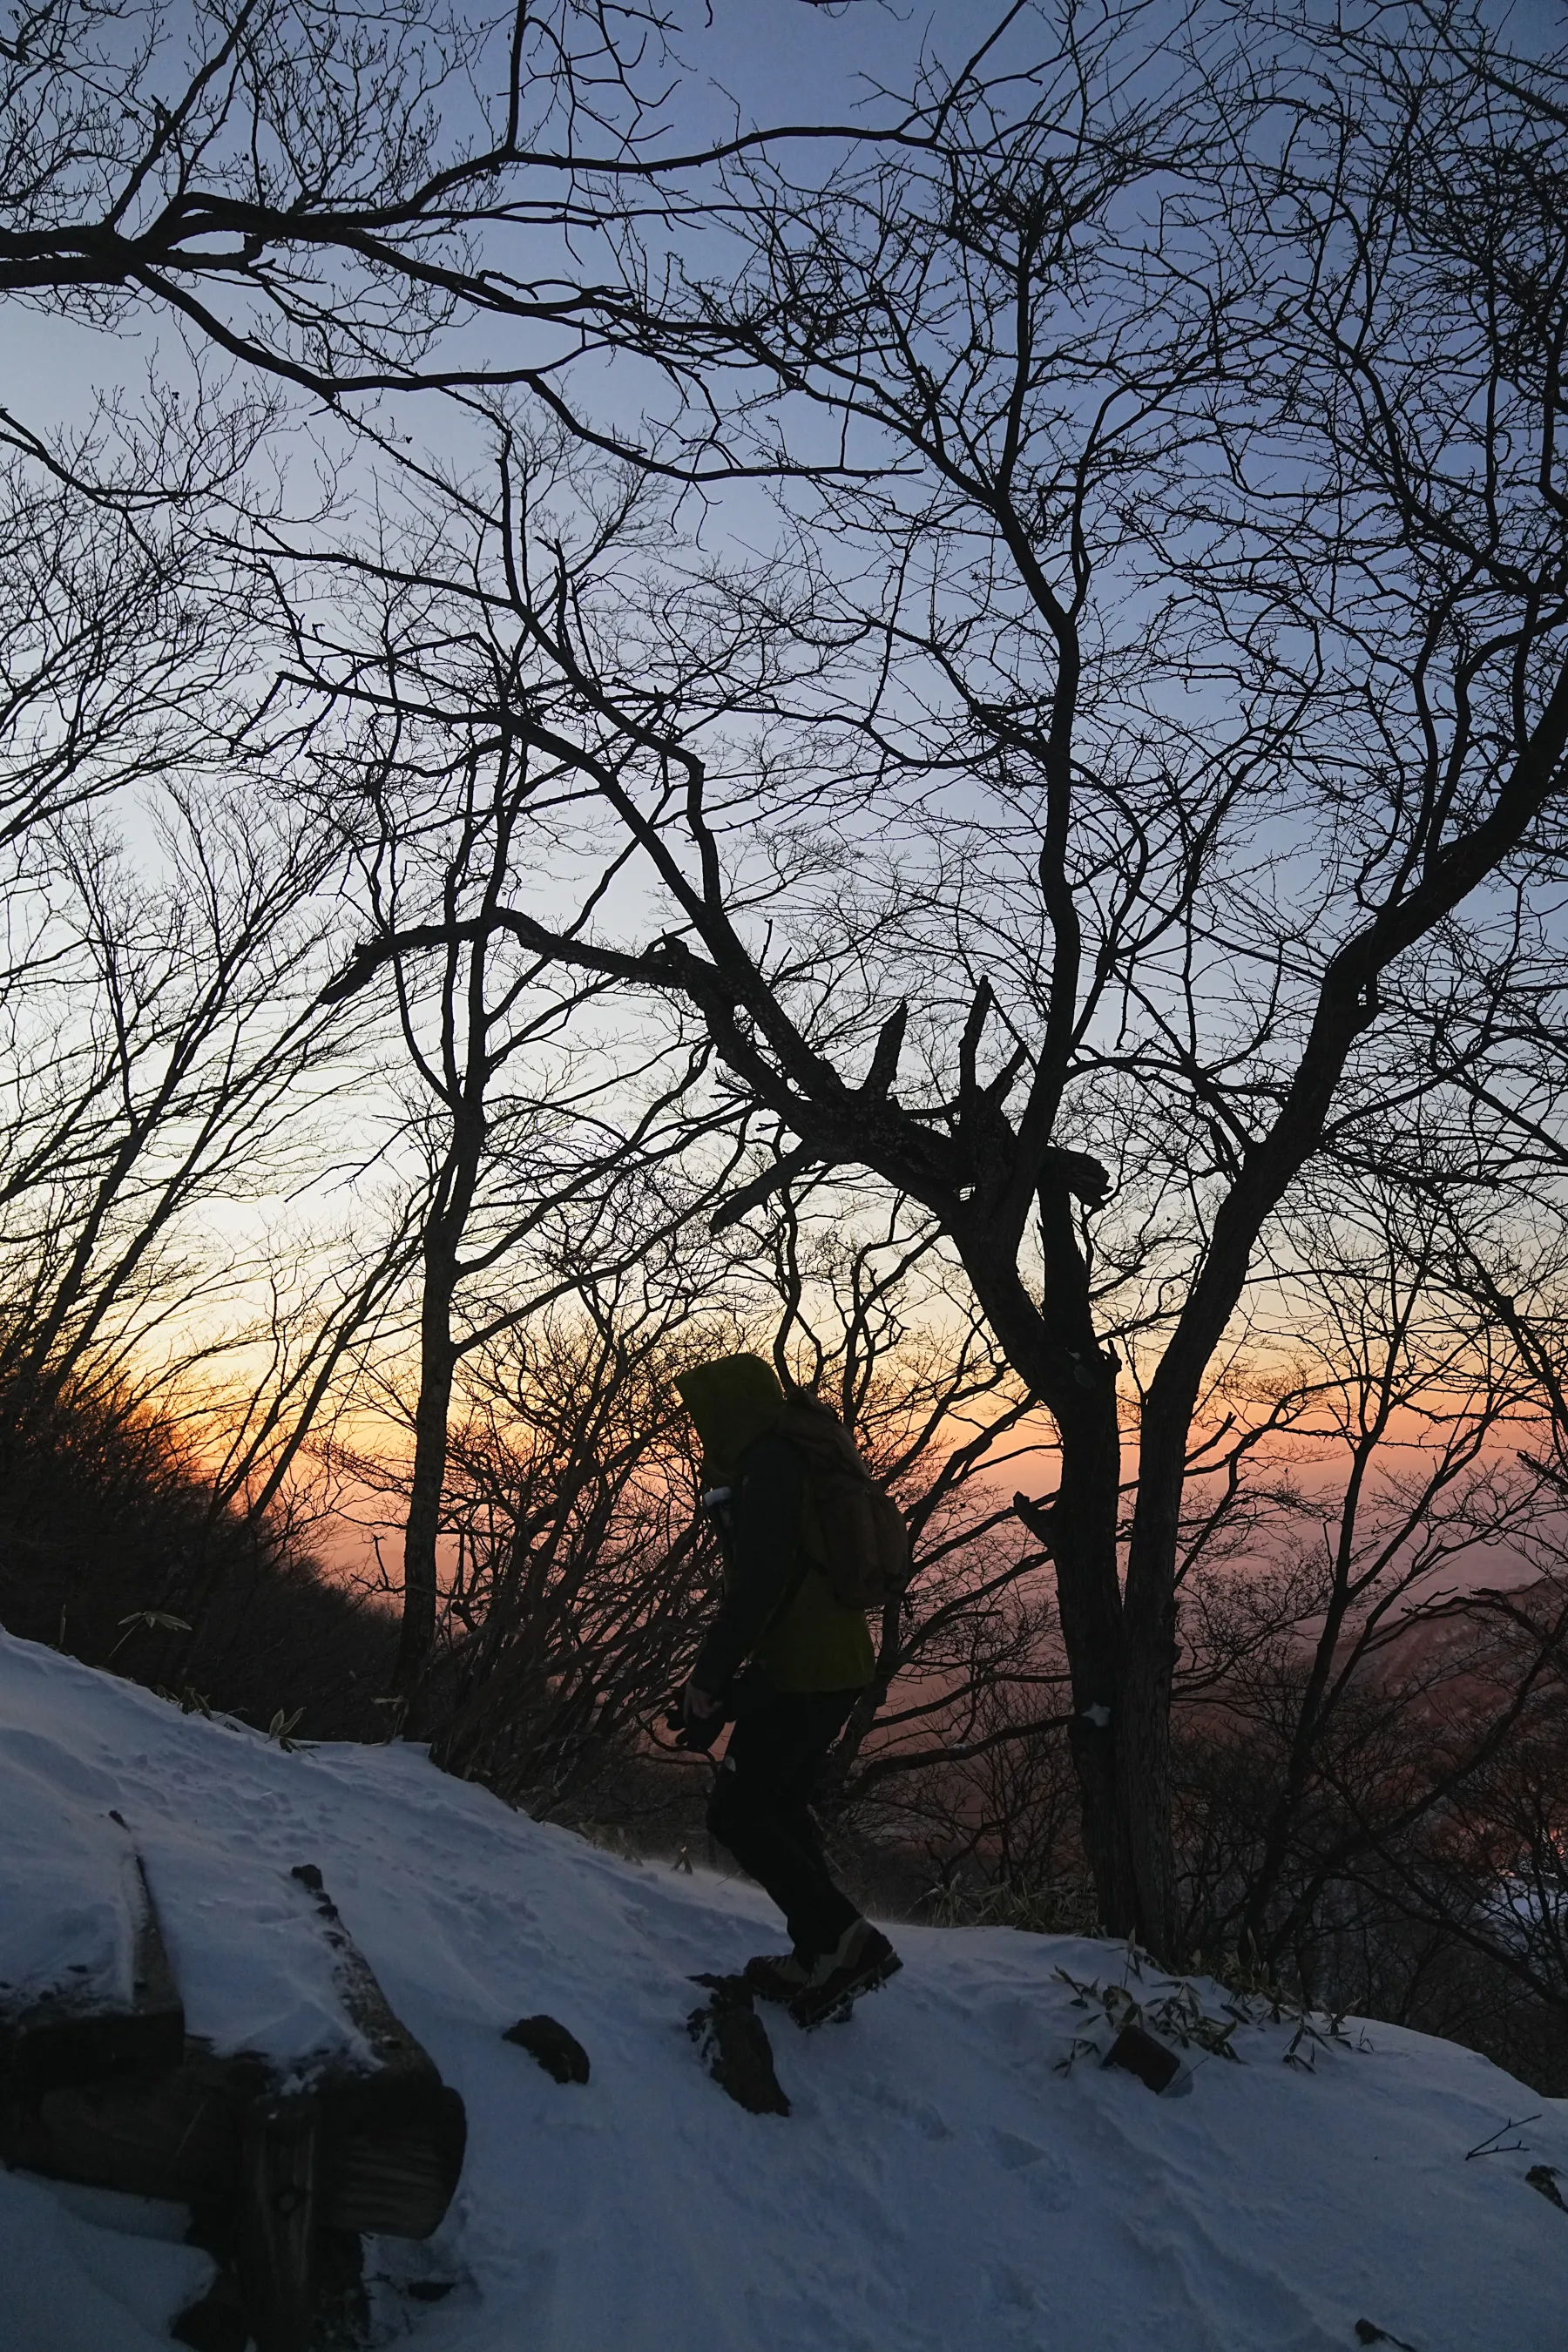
779,1610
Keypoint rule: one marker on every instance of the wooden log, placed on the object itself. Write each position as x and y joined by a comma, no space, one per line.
393,2140
153,1991
393,2147
178,2136
276,2222
82,2034
392,2143
391,2136
361,1996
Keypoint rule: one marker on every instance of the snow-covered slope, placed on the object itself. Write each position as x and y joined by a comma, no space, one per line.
938,2185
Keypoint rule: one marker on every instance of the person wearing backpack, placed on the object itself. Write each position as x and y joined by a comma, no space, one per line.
809,1544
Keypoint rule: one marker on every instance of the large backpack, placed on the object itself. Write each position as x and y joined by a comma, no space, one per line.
853,1530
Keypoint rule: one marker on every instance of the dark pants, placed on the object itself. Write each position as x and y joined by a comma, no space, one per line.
761,1806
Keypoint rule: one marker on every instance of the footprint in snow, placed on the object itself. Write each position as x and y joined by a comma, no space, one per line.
1045,2176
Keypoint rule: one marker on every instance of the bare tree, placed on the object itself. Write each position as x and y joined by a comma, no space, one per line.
163,1053
532,1123
341,200
128,642
1188,702
1371,1578
166,1076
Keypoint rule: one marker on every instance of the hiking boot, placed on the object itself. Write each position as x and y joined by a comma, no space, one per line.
777,1976
861,1961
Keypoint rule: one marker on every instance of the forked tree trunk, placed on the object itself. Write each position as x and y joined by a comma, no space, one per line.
1118,1659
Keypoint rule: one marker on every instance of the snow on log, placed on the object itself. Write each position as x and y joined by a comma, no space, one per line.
86,1988
391,2134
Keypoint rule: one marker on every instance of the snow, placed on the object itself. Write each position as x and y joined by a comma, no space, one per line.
940,2185
67,1923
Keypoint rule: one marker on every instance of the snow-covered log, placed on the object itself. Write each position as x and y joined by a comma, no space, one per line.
391,2133
86,1988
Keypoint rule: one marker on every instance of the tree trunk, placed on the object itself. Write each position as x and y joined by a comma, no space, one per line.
422,1529
442,1240
1126,1815
1149,1659
1084,1532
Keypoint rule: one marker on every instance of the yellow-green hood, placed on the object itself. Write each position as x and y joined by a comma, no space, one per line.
731,1402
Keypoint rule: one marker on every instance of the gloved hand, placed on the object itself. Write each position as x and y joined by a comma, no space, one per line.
702,1718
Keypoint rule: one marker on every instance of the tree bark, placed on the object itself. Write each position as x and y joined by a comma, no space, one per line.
1149,1636
1121,1813
438,1367
421,1528
1053,1345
